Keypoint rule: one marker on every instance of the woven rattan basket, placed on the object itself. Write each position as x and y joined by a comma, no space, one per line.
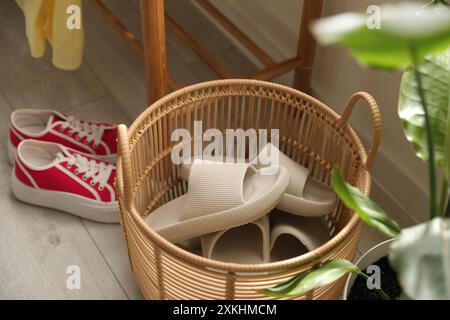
310,133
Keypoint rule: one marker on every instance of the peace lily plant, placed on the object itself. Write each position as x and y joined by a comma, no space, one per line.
415,39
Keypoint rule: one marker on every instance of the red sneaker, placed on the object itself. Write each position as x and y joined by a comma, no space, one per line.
95,139
51,175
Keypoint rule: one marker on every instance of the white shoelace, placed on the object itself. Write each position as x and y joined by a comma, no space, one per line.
92,131
99,172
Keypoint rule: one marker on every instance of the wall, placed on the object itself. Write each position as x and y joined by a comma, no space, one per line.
399,175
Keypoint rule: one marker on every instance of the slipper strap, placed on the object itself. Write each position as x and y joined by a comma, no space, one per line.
214,187
298,173
299,176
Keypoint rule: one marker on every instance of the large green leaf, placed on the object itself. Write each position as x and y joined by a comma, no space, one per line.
421,257
402,26
368,210
318,277
435,74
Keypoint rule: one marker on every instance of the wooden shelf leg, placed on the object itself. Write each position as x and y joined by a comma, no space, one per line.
306,46
152,15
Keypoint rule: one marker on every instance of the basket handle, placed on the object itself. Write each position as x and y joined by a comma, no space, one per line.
376,121
124,153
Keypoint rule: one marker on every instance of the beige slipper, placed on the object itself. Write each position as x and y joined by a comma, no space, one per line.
304,196
220,196
292,235
249,243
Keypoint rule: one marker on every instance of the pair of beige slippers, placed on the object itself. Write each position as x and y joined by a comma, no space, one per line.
227,207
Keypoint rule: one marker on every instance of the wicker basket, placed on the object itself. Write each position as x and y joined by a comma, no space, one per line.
310,133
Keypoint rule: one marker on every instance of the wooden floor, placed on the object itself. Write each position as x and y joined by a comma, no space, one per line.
37,244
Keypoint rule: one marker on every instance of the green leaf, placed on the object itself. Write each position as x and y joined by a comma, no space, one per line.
401,26
316,278
437,2
364,207
435,74
421,257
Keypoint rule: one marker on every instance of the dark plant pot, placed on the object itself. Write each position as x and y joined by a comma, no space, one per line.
376,253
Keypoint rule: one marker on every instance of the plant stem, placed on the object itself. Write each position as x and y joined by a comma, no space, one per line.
430,143
447,210
444,195
383,295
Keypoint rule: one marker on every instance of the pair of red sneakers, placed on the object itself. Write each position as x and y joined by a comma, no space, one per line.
64,163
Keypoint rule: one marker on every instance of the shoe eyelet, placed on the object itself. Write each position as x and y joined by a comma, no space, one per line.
69,166
92,183
86,142
84,177
77,171
101,188
70,132
78,138
96,145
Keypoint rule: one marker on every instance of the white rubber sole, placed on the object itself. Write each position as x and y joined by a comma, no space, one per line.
82,207
13,150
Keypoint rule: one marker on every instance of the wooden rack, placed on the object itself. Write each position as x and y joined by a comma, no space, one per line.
153,50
